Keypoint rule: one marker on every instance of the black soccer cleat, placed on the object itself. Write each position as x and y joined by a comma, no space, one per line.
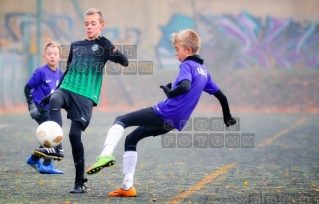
49,153
79,186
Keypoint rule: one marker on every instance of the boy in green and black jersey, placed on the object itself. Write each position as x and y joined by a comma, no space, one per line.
80,90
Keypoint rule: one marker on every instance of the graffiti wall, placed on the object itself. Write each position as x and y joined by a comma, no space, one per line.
244,34
19,31
229,40
246,41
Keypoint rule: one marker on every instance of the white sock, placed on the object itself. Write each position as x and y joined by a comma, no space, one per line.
129,164
113,137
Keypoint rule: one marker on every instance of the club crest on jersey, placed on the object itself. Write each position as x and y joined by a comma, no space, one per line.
95,48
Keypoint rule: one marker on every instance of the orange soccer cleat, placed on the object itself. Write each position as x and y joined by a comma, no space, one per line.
123,193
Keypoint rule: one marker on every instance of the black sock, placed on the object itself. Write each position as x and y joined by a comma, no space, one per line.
78,158
47,162
55,115
34,157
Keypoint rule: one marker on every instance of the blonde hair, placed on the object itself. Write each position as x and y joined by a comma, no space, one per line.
51,43
187,38
92,11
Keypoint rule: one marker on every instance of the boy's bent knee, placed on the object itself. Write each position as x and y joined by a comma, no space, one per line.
119,121
56,101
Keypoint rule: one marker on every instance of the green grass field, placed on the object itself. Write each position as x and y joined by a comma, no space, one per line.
281,168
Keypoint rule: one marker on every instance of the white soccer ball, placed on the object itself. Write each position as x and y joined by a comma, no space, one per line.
49,134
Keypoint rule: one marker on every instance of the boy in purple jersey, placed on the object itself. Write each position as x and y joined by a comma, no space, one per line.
43,82
80,88
173,112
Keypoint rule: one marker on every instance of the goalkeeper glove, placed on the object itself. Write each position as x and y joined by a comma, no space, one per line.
169,85
34,112
167,89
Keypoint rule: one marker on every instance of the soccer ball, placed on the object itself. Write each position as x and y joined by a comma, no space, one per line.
49,134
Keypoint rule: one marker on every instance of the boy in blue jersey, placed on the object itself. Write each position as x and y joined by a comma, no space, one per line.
79,90
43,82
173,112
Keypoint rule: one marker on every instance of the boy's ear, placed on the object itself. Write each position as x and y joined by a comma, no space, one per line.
102,26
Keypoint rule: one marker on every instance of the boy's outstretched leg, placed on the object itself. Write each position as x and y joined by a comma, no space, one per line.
129,164
106,158
114,135
130,158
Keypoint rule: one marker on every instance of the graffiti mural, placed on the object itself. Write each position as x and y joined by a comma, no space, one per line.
244,41
18,46
20,29
165,50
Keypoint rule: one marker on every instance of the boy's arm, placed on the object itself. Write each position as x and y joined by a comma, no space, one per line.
34,112
112,52
118,57
28,94
223,102
212,88
183,87
182,81
228,119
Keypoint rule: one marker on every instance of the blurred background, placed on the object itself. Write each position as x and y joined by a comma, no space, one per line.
263,54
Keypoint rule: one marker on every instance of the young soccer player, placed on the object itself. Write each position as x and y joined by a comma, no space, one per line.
80,89
43,82
182,98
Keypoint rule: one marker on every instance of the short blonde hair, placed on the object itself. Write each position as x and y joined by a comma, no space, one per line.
92,11
51,43
187,38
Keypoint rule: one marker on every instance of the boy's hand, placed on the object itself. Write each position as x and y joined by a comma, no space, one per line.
34,112
113,54
166,90
46,100
229,120
105,43
169,85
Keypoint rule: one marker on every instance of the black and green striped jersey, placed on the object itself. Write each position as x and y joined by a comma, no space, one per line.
86,69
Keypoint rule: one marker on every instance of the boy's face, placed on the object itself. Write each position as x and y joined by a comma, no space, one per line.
181,52
52,56
93,26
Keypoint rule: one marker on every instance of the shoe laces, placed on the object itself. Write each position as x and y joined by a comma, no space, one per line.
81,185
84,181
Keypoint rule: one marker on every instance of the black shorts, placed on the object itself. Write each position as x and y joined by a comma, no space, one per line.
79,108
